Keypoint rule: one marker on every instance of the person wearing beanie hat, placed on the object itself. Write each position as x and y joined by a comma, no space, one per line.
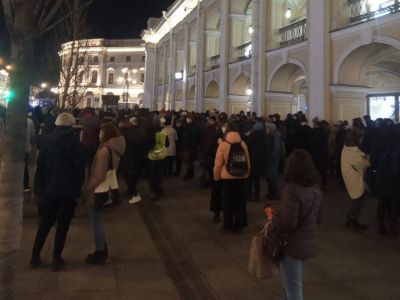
60,173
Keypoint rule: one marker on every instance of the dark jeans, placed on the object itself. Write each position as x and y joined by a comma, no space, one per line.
234,202
273,188
253,186
155,176
169,165
216,194
135,171
356,206
388,205
26,171
52,211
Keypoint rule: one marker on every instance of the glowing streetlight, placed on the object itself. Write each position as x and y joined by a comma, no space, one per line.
125,70
9,67
43,85
134,71
249,92
251,30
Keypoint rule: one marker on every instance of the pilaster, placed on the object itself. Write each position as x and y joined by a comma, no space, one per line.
224,56
150,77
200,60
319,53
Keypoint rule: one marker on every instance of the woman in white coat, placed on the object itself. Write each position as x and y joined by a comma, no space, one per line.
354,163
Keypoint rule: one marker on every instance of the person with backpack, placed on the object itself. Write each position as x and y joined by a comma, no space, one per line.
232,167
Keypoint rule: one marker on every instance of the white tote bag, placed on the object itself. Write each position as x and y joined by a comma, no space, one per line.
110,182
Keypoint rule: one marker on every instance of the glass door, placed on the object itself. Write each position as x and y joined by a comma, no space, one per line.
384,106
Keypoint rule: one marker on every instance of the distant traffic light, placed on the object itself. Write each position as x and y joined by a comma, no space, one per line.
9,95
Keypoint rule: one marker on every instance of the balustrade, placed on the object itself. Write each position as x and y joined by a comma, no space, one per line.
293,33
364,10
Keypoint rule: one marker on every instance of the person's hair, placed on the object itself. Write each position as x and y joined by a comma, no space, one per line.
110,131
353,137
65,120
300,169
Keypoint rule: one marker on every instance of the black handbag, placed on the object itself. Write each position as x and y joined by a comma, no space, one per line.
275,243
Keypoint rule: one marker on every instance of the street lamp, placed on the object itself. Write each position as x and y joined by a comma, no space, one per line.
43,85
127,81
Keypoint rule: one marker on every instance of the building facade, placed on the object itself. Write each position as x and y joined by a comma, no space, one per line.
335,59
111,67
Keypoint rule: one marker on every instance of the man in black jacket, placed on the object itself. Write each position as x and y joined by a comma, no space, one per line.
58,182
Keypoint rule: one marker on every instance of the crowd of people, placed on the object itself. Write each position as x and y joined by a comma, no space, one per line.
84,148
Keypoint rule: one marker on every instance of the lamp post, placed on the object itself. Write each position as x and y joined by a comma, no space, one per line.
126,80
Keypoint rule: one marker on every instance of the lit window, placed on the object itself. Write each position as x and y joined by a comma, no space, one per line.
110,79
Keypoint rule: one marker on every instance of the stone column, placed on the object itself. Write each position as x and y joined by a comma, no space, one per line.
262,24
255,57
318,18
150,77
165,74
172,62
224,56
200,60
185,68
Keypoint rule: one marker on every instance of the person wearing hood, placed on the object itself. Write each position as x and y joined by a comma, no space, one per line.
273,149
256,143
58,181
233,186
111,143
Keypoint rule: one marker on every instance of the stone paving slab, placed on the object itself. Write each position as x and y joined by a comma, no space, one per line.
172,250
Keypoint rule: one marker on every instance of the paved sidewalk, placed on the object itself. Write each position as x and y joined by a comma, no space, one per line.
171,250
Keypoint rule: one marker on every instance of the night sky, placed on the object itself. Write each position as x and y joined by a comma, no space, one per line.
115,19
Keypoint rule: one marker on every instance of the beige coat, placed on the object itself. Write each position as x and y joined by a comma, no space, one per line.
222,156
354,163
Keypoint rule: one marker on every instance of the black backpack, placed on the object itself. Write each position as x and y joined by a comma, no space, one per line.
237,164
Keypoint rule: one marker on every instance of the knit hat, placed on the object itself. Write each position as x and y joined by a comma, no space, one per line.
65,119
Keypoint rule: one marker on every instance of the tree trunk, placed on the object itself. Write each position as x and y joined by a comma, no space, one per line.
12,167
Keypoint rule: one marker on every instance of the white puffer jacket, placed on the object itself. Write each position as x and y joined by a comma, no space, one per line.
354,163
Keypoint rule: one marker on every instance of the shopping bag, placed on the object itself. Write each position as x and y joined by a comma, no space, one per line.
259,265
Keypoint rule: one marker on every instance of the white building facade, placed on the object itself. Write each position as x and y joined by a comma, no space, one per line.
335,59
114,67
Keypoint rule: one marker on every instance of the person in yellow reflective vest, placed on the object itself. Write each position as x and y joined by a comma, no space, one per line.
156,158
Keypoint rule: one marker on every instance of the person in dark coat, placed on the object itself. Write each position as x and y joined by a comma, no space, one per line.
388,186
179,132
216,187
319,149
272,159
296,220
189,146
58,181
256,143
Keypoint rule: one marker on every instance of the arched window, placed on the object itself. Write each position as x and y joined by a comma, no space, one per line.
94,76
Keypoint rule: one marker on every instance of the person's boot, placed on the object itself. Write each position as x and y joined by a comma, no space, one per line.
96,258
35,262
58,263
382,230
106,250
217,217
